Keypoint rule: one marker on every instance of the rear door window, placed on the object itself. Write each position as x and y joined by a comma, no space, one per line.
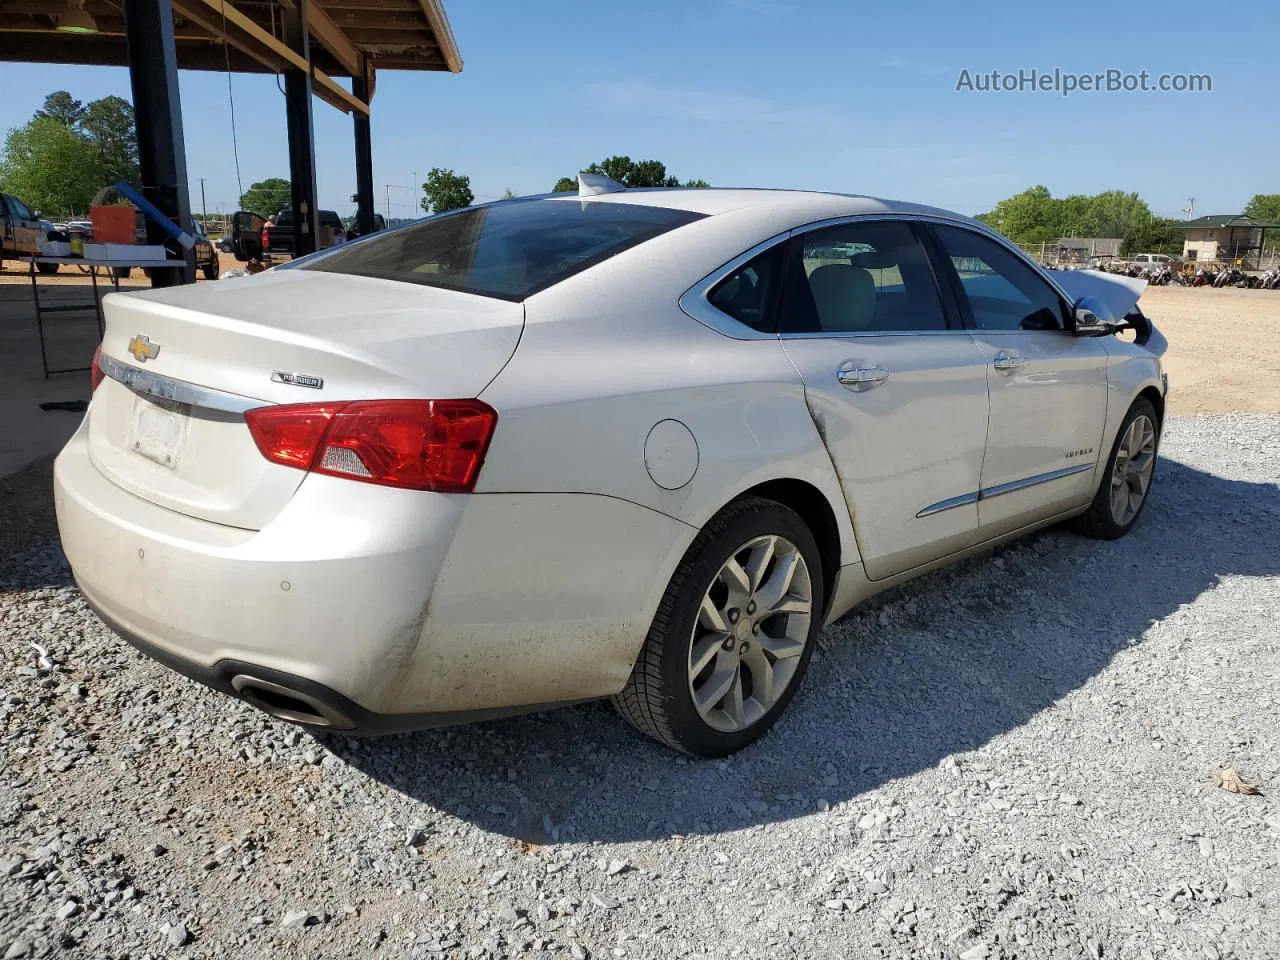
861,277
508,250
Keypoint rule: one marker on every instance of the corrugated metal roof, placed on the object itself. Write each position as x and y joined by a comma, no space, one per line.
1221,220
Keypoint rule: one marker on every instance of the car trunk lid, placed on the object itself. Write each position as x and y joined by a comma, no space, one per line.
184,363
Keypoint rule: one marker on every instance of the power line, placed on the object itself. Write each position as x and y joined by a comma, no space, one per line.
226,56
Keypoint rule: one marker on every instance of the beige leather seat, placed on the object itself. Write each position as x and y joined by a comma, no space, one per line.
845,297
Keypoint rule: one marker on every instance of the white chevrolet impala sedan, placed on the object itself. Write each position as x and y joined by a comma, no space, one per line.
629,444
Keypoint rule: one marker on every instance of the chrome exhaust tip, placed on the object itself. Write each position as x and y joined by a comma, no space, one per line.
288,704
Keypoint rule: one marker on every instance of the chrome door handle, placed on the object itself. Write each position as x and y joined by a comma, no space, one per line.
861,377
1007,361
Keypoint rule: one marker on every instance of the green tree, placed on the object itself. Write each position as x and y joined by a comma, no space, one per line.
446,190
1112,213
1027,217
267,197
109,124
1264,206
629,173
1034,216
1152,235
50,166
509,194
63,107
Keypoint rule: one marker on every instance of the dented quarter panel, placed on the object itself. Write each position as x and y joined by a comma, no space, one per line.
574,410
543,598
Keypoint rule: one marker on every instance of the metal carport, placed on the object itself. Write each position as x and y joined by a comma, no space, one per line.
309,43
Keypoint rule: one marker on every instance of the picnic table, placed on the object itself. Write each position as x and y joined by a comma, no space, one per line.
93,265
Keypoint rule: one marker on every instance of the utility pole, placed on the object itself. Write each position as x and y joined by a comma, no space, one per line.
417,195
398,186
1190,209
204,209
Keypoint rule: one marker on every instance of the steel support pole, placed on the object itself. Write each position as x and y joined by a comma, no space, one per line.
302,158
360,86
162,156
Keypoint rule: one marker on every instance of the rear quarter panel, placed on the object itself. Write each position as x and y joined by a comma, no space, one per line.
608,354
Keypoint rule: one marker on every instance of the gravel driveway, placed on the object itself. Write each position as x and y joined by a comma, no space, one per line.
1013,758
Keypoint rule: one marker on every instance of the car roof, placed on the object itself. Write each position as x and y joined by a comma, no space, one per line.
717,200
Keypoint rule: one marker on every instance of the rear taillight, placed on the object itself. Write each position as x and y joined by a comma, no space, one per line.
95,369
266,236
419,444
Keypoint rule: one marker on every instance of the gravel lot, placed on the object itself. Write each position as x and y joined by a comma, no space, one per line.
1013,758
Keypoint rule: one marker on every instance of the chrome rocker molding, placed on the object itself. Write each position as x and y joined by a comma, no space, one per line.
179,391
1001,489
949,504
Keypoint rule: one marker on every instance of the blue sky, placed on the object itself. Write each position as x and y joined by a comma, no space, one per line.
848,96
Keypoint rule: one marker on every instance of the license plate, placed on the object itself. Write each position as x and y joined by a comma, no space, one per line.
159,429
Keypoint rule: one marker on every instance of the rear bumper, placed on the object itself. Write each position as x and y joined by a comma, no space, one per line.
371,609
300,700
334,588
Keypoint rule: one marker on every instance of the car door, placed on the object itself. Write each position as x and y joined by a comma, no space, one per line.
1048,388
896,386
7,240
246,235
25,228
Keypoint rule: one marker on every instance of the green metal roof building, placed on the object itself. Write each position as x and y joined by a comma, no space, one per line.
1227,237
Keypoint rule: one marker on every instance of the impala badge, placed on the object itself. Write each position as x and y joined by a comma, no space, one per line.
297,379
143,349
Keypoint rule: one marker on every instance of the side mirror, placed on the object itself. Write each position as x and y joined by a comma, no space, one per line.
36,214
1091,318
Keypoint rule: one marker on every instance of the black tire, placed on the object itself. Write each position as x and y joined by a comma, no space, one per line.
657,699
1098,521
210,270
47,268
122,273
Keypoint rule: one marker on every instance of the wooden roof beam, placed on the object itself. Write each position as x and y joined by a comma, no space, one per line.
261,44
322,27
194,11
434,10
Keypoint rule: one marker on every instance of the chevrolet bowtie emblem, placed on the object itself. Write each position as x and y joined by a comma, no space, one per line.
143,349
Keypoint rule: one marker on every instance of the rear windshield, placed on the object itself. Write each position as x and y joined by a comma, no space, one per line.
508,250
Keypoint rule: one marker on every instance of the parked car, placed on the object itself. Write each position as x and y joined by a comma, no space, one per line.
22,231
638,445
353,227
1144,260
254,237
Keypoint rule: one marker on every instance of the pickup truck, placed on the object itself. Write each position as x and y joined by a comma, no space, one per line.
277,236
21,231
253,238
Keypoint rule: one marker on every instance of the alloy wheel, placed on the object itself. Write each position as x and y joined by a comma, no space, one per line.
751,629
1131,476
